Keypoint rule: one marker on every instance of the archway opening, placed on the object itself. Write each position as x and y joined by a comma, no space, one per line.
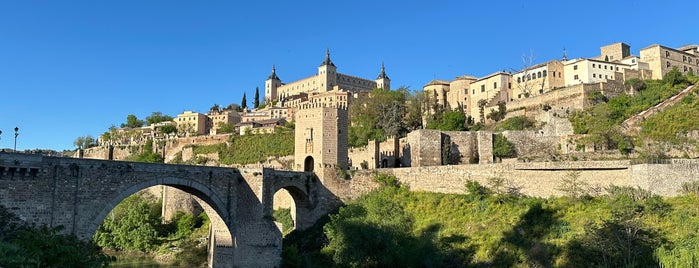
308,164
173,222
384,163
284,211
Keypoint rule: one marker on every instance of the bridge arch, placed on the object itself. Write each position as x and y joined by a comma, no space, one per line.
222,233
303,190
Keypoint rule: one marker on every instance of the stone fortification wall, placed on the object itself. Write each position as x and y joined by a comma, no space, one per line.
464,147
666,178
425,147
540,179
485,147
533,143
368,154
562,101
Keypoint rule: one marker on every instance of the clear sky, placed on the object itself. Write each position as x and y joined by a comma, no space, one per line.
74,68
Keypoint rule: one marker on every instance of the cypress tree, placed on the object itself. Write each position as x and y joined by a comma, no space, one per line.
256,100
244,102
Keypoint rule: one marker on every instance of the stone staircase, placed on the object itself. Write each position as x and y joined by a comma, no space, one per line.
631,126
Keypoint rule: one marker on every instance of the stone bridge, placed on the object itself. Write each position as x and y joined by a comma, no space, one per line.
78,194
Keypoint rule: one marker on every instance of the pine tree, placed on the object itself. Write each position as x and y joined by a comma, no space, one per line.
244,102
256,100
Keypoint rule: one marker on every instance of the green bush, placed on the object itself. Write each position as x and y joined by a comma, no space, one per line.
515,123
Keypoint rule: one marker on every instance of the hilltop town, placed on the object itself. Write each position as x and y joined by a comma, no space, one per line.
547,94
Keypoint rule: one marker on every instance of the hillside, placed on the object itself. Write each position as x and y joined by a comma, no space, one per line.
602,122
394,227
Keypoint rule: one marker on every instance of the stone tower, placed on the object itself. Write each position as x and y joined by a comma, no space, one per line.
327,73
271,84
382,81
321,139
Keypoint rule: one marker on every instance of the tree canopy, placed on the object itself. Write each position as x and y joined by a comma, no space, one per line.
132,122
157,117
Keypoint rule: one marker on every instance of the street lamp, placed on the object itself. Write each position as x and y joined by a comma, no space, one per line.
16,134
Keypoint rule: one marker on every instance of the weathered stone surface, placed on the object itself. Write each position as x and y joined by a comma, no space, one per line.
79,193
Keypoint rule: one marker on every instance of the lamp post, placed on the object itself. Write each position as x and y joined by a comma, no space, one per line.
16,134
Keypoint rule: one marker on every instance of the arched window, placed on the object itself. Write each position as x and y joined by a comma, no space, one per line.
544,73
538,75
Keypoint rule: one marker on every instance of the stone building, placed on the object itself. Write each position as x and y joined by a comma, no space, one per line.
218,117
321,141
191,123
326,79
537,79
662,59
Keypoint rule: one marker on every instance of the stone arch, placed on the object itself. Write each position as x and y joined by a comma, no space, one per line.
222,232
308,163
384,163
302,190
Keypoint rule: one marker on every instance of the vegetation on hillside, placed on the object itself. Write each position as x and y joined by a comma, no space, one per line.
136,225
515,123
22,245
602,121
249,148
673,123
394,227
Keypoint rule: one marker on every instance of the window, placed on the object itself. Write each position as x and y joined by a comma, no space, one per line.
684,58
545,73
474,91
593,65
509,85
606,77
538,75
495,85
605,67
617,68
668,64
685,68
529,77
519,96
482,88
594,75
518,80
690,60
553,73
575,77
667,54
575,67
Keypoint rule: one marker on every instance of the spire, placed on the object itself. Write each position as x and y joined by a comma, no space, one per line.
382,74
565,58
274,74
327,60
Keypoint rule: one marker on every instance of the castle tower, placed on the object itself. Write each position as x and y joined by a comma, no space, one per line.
327,73
321,140
271,84
382,81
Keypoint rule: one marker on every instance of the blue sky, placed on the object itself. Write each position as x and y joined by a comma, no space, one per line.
74,68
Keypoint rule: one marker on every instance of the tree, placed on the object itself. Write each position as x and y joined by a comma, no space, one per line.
244,102
503,147
83,142
132,122
256,100
215,108
224,128
167,129
500,113
413,117
674,77
370,115
157,117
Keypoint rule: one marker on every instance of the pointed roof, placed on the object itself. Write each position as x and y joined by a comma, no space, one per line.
327,60
273,76
565,57
382,74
